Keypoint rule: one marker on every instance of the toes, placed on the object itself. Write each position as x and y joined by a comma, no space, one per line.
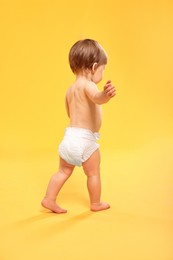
52,206
59,211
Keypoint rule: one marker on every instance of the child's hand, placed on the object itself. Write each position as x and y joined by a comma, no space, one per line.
109,90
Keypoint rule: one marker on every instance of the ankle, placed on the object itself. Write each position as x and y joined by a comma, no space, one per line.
49,199
95,203
99,206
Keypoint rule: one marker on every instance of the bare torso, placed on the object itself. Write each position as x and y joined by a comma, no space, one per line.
83,113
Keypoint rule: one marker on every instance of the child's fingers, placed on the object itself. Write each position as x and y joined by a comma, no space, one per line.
108,83
107,87
111,92
110,89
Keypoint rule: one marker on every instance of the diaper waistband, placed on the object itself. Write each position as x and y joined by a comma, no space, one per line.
82,132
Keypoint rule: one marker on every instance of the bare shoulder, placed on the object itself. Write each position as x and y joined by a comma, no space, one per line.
90,85
91,89
69,91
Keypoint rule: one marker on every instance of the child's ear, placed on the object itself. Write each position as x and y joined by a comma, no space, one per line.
94,67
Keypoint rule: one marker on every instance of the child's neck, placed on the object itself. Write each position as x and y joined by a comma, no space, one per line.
84,75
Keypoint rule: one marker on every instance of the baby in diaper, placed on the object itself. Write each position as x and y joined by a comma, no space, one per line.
79,145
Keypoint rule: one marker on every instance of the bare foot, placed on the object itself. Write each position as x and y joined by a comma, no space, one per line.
99,206
51,205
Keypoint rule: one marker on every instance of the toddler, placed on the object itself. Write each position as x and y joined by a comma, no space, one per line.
87,60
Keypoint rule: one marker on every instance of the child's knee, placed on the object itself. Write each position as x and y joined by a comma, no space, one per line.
66,171
92,173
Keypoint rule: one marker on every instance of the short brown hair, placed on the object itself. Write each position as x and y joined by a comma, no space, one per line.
84,53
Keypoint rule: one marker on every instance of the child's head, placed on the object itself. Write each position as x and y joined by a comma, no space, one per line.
86,54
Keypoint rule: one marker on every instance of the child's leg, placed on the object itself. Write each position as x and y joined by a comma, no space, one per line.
55,185
92,170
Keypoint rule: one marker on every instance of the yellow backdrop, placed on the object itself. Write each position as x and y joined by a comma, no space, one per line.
136,136
35,40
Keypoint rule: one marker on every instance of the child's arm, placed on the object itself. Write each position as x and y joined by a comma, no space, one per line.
67,107
100,97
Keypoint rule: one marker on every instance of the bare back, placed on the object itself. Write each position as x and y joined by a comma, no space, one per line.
82,111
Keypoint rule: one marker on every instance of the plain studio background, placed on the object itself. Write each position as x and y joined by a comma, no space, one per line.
136,136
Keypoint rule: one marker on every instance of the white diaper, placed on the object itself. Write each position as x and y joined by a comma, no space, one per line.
78,145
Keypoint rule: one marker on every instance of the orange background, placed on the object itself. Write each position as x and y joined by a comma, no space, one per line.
136,136
35,40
